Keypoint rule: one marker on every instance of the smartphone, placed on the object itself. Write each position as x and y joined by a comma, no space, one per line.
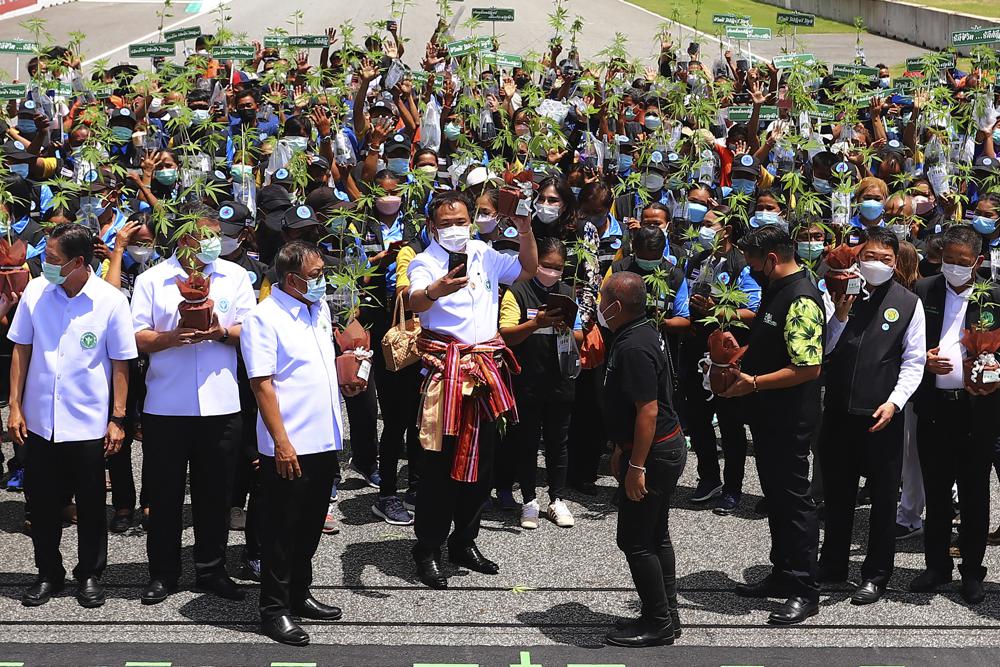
565,304
456,259
391,25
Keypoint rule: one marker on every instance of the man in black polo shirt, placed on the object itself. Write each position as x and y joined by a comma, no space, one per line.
780,378
649,456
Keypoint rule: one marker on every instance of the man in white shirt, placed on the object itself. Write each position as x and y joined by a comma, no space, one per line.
454,288
956,427
72,337
287,343
881,339
191,413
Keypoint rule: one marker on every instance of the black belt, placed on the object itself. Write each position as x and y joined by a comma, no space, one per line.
953,394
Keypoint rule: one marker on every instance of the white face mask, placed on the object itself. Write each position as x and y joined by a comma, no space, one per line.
602,319
229,245
547,213
956,274
486,223
875,273
453,238
706,235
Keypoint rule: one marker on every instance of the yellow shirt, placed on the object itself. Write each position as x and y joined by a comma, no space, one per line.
510,312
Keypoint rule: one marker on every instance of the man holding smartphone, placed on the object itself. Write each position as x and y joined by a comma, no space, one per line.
454,287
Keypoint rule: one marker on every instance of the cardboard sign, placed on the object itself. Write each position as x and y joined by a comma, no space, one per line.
747,33
182,34
13,91
796,19
980,36
234,52
493,14
152,50
17,46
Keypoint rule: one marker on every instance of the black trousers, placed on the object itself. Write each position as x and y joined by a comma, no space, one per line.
644,530
399,401
781,452
540,419
51,472
586,430
846,449
698,426
443,501
119,465
293,512
955,445
362,418
210,445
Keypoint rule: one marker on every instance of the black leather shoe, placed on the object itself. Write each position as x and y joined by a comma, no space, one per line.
222,586
283,629
470,557
41,592
641,634
120,523
867,593
768,587
675,623
928,581
429,572
316,610
794,610
972,590
90,593
157,591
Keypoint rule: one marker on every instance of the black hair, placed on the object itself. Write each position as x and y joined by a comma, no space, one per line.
883,236
648,239
298,126
425,151
292,257
569,203
550,244
75,240
198,95
765,240
964,235
597,193
993,198
386,175
657,206
251,92
448,198
773,194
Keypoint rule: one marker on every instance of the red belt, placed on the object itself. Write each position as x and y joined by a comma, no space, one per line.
668,436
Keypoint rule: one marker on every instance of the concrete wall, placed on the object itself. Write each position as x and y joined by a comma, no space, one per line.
922,26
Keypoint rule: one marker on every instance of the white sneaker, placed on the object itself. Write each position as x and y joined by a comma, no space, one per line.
330,526
560,515
529,515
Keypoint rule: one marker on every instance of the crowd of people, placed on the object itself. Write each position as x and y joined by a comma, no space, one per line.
495,254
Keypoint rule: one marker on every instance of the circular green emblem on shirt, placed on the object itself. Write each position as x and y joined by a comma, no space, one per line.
891,314
88,341
987,318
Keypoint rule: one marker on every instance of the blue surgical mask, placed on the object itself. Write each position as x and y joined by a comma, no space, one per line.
199,115
20,169
452,131
765,218
885,82
297,144
165,176
315,289
996,138
121,133
624,163
696,212
984,225
822,186
706,237
398,165
870,209
647,264
211,248
26,126
744,185
809,250
53,273
242,172
652,122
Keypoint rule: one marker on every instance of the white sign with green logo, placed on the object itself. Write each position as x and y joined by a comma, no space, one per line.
493,14
466,46
152,50
980,36
17,46
182,34
747,33
233,52
730,19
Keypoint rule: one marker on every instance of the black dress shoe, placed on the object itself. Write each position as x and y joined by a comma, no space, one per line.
429,572
867,593
768,587
120,523
794,610
283,629
222,586
316,610
90,593
928,581
470,557
41,592
157,591
972,590
641,634
675,624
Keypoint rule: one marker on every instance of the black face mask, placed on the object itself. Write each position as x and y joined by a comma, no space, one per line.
761,277
521,81
248,116
928,268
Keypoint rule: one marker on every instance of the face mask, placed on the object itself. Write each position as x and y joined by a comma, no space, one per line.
547,277
696,211
165,176
629,114
760,277
315,289
388,205
453,238
984,225
229,245
121,133
399,165
199,115
521,130
428,169
547,213
870,209
996,137
901,231
956,274
922,205
53,273
822,186
885,82
248,116
242,172
652,182
765,218
576,191
706,236
20,169
26,126
211,248
647,264
297,144
875,273
139,253
602,319
486,223
452,131
809,250
744,185
652,122
92,205
624,163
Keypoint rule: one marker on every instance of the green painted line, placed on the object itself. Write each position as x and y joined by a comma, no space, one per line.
11,664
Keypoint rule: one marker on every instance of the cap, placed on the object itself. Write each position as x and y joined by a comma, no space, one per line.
986,164
480,175
27,108
397,142
843,169
383,106
507,238
272,198
323,201
13,150
319,161
895,147
98,180
298,217
746,165
282,177
234,217
124,116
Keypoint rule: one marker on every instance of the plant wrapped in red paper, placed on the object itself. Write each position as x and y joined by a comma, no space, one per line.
14,276
196,308
722,363
354,361
981,367
843,276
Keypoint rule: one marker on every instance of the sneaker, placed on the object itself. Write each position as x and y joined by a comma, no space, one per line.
16,481
903,532
410,501
372,479
237,519
706,491
330,526
390,509
333,493
505,500
249,569
558,514
529,515
726,504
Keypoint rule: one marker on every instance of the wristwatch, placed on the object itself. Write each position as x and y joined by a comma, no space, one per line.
225,336
118,421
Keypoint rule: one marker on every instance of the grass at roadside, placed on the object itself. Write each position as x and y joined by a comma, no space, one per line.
988,8
761,15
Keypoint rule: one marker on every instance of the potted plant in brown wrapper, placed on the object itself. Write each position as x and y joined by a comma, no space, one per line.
843,276
724,351
196,309
14,276
982,340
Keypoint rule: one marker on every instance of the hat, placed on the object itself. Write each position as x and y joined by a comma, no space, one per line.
397,141
480,175
383,106
986,164
746,165
282,177
28,108
843,169
319,161
507,236
323,200
234,217
99,180
298,217
655,162
272,202
14,151
124,116
895,147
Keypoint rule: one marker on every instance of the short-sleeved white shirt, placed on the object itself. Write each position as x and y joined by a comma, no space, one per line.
67,392
292,343
191,380
470,314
